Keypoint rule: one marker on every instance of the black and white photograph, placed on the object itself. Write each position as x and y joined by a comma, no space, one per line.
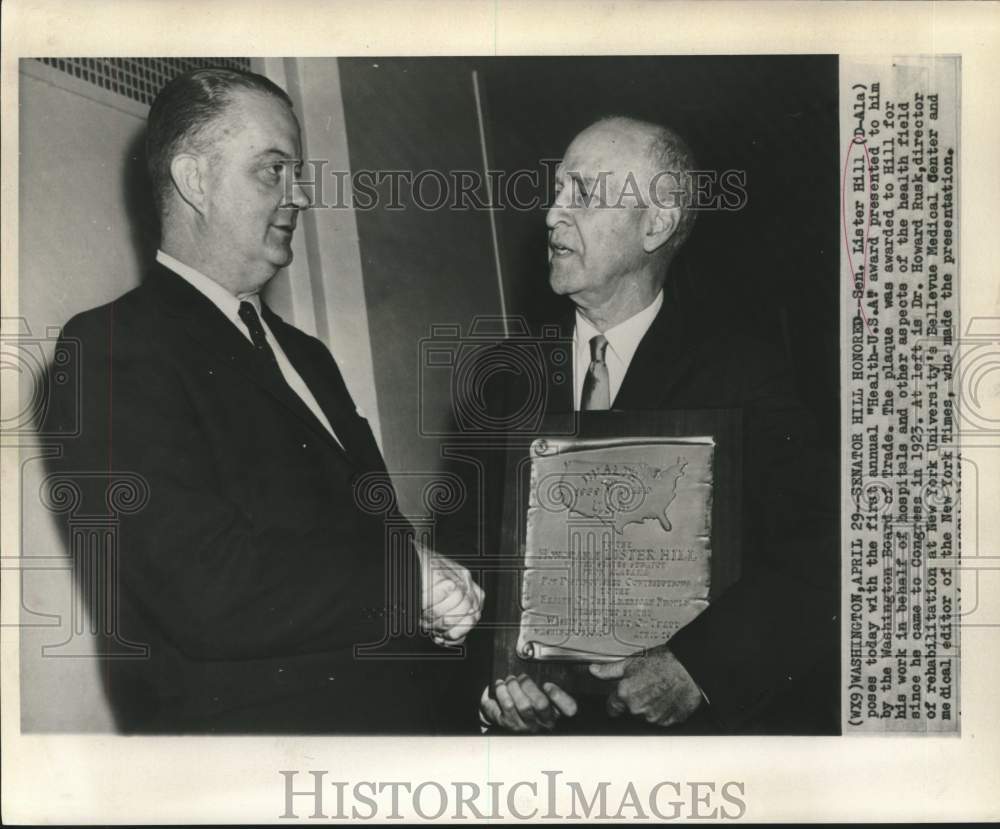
256,569
477,417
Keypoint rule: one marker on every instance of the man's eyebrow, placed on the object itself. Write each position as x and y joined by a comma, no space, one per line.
575,175
275,151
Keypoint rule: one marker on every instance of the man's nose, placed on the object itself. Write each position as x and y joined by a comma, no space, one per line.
557,210
554,215
300,198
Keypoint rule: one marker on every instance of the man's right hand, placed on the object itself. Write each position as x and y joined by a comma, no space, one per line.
452,602
517,704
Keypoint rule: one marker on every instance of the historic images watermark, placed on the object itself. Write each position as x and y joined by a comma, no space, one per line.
311,794
520,190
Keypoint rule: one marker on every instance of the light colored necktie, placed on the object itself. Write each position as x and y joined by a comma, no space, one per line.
597,387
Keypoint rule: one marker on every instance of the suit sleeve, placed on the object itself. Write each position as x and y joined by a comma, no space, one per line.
218,583
780,620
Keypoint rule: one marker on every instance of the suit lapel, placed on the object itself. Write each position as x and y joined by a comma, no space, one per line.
210,327
331,394
664,356
662,359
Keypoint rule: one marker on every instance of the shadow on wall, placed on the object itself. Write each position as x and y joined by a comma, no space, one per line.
139,202
82,508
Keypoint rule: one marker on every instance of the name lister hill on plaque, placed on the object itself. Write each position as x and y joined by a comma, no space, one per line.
617,550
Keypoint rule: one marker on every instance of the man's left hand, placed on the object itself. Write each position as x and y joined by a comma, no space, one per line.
654,686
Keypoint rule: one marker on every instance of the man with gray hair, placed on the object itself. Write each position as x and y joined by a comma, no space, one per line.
252,572
623,207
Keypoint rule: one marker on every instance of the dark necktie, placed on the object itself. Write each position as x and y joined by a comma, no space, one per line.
596,386
250,319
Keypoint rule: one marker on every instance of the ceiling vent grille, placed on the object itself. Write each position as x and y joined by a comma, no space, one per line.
136,78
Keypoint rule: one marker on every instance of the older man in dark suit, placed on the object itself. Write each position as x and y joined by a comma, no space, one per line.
253,572
763,657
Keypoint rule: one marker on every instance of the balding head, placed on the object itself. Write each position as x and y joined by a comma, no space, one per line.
663,166
620,214
190,112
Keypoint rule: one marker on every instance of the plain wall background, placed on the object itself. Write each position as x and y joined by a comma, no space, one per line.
77,250
423,268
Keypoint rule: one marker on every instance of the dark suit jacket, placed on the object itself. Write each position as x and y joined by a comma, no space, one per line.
251,572
766,651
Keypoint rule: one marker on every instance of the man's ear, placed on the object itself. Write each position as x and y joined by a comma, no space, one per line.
188,174
659,224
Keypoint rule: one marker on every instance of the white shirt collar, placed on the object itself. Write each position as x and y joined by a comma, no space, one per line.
624,338
219,296
623,341
230,306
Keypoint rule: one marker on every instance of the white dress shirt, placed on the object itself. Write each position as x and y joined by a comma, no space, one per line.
230,307
623,340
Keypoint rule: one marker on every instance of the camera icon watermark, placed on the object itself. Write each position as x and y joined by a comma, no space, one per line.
976,379
966,431
35,365
495,380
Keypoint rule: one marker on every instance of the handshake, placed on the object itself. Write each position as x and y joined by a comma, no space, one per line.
451,602
653,686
